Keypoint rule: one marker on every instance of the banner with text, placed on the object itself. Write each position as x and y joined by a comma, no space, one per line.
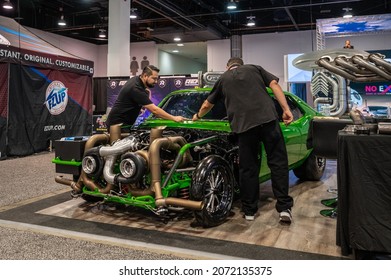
164,86
46,105
45,60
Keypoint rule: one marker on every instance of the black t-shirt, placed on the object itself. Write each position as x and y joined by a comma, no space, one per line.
130,100
245,95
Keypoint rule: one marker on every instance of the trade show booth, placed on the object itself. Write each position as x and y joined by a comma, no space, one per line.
45,93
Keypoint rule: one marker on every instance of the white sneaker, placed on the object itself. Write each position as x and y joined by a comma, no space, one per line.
286,216
249,217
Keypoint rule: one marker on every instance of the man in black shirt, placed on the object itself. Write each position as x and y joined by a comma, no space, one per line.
134,96
253,117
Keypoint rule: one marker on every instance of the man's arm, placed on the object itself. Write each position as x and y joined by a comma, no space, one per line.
205,108
287,116
208,104
163,114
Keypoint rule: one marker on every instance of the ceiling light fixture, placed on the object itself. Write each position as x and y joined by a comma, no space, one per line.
231,5
133,14
177,39
175,51
347,13
8,5
61,21
180,45
102,33
251,21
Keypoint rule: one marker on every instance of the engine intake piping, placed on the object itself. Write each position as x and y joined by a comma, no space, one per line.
154,152
134,164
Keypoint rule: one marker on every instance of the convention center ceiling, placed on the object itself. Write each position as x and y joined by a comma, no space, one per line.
193,20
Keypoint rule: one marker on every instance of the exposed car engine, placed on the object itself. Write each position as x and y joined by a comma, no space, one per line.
160,170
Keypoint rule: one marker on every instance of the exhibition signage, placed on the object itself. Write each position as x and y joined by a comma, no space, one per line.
45,105
27,57
19,45
373,93
45,92
164,86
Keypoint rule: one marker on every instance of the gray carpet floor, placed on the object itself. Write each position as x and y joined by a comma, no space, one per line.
27,179
27,185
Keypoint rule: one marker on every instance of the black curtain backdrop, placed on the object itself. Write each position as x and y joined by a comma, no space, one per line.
100,95
31,126
3,107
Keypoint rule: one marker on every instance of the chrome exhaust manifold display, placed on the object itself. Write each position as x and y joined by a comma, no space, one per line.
334,69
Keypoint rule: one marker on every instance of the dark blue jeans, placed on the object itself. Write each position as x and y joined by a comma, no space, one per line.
270,135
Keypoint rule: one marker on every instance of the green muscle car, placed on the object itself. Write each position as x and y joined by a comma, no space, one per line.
165,166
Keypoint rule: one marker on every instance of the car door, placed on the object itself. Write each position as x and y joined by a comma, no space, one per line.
292,136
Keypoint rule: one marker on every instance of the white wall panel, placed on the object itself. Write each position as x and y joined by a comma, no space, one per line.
219,51
171,64
268,50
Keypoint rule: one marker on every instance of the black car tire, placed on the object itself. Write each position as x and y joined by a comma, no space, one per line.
312,169
213,183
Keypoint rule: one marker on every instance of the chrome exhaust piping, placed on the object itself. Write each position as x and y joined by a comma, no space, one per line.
379,61
107,169
326,64
120,147
360,61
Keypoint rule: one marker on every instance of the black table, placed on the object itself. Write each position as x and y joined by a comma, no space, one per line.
364,193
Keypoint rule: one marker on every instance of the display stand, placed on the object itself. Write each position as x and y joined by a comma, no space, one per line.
364,194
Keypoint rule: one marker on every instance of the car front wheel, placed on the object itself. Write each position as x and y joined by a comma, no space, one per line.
213,183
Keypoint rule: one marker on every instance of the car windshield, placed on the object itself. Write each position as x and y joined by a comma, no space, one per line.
186,104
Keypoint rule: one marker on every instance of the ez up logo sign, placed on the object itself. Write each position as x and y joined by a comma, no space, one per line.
56,97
